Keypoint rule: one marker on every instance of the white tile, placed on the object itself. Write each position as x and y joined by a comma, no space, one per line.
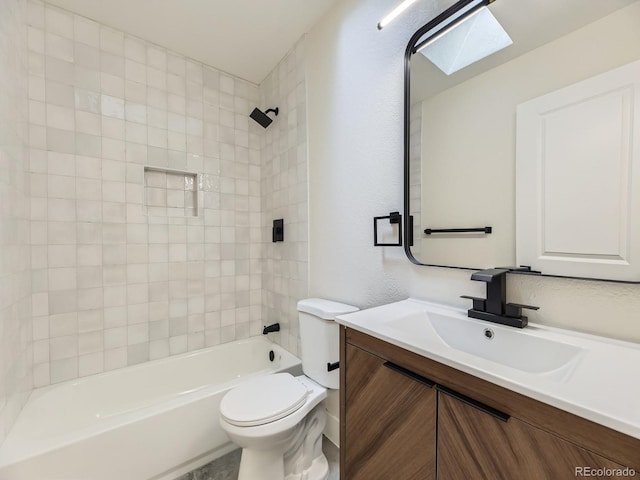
59,47
176,85
136,133
61,210
89,255
135,49
115,337
36,40
62,141
91,342
63,347
135,71
112,85
112,65
35,14
91,320
135,92
63,370
90,364
158,349
112,106
176,64
194,72
86,78
37,113
113,127
86,56
60,117
135,112
111,41
87,101
156,78
89,123
86,31
90,299
37,88
62,281
61,256
115,358
138,333
59,22
156,57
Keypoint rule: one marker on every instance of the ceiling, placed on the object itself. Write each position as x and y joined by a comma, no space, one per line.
246,38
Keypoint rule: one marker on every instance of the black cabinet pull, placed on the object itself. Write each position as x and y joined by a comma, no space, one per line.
410,374
476,404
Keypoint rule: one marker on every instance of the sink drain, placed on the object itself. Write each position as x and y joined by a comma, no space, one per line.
488,333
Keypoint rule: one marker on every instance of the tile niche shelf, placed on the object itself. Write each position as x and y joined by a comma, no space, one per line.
170,193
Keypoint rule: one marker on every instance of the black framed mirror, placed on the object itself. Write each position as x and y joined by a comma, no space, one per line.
460,127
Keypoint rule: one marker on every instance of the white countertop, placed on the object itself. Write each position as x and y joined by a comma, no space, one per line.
601,384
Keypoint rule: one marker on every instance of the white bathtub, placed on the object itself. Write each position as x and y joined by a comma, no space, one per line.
156,420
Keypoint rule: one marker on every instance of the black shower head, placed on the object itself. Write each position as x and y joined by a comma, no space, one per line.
262,118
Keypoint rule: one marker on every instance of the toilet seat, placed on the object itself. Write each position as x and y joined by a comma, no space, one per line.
263,400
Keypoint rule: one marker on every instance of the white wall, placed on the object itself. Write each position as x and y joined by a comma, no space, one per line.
15,275
355,81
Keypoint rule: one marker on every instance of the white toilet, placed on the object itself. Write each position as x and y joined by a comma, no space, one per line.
278,419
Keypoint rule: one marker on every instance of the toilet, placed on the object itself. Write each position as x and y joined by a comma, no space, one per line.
278,419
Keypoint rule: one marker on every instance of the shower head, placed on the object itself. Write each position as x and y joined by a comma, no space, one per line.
262,118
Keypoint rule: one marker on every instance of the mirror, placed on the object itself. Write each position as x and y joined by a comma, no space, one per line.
460,129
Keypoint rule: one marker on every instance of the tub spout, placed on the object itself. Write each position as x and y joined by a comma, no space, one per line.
271,328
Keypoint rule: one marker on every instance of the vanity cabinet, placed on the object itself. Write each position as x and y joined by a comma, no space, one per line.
388,406
449,425
475,444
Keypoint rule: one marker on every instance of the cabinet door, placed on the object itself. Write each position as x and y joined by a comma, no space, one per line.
473,444
390,421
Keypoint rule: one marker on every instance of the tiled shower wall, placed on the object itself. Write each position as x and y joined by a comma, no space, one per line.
284,195
15,275
115,282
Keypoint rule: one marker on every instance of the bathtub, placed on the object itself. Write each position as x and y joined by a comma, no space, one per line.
153,421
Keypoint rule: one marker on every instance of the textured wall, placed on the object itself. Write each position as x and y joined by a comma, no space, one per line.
355,82
116,283
284,195
15,276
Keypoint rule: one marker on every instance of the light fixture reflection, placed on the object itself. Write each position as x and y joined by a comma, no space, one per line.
394,13
474,35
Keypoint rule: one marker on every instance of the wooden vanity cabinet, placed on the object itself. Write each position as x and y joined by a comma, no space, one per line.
475,444
461,428
387,406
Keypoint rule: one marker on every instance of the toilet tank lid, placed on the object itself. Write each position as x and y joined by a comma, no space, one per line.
325,309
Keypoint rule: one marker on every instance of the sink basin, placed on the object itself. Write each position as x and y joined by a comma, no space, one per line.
508,346
448,332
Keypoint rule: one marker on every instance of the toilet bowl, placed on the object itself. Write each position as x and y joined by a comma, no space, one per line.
278,419
276,415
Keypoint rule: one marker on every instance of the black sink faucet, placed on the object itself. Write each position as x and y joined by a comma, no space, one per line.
495,307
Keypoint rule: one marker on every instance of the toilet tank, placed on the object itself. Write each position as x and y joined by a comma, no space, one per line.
320,338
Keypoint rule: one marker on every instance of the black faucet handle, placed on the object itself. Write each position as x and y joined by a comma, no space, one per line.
489,275
515,309
479,304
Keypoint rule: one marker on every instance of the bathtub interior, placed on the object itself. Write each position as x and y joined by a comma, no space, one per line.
70,412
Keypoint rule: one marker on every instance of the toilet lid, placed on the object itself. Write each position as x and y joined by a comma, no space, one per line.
262,400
